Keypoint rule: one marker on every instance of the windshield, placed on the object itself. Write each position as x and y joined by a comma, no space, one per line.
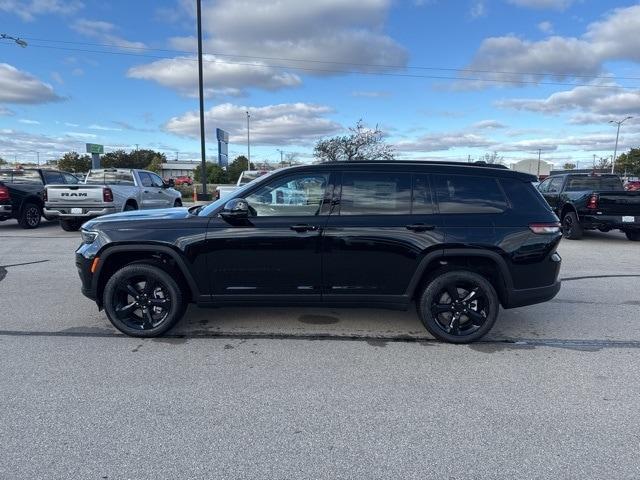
20,176
212,207
578,184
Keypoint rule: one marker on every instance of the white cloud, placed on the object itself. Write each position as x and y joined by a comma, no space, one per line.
478,9
545,27
104,31
440,141
28,121
488,125
28,10
6,112
340,31
370,93
283,124
543,4
57,77
181,74
103,128
17,86
613,38
590,104
81,134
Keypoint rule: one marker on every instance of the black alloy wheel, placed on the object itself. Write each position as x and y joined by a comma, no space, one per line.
571,228
459,306
30,216
143,300
633,235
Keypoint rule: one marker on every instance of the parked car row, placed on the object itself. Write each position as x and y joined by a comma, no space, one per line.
28,195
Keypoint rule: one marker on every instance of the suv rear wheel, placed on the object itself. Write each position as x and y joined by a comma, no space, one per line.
458,306
71,225
142,300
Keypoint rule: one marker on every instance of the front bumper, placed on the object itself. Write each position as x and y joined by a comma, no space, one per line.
6,211
85,212
83,264
612,222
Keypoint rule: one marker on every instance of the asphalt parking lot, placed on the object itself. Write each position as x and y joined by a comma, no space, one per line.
311,393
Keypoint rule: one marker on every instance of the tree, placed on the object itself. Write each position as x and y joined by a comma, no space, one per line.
569,166
215,174
74,162
134,159
156,164
235,168
2,161
603,164
360,144
491,158
629,162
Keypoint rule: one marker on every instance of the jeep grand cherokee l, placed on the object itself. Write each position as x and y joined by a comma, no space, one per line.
458,240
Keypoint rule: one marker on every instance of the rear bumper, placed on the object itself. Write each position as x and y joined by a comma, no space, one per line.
531,296
6,211
611,222
87,212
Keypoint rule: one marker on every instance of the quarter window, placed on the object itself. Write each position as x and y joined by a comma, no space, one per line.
468,194
294,196
373,193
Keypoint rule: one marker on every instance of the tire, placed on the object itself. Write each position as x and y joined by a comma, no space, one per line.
30,216
71,225
634,236
571,228
465,321
177,203
154,289
129,207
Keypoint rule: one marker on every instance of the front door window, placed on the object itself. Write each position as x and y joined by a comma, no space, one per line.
294,196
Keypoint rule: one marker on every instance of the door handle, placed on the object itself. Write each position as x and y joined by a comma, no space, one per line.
145,191
303,228
420,227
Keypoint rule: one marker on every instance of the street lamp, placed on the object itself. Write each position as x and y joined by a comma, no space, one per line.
248,142
19,41
615,150
203,153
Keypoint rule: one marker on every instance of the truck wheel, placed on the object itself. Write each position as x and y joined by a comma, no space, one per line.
142,300
634,236
177,203
71,225
129,207
571,228
30,216
458,306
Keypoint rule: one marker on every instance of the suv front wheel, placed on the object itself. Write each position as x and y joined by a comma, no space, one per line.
143,300
458,306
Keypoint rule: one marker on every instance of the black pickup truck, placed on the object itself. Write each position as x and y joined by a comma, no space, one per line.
22,193
592,202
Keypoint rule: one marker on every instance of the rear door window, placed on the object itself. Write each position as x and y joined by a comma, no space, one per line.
468,194
555,185
52,177
422,199
375,193
70,179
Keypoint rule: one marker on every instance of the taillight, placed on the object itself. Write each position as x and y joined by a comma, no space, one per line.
45,197
593,202
217,194
542,228
4,193
107,194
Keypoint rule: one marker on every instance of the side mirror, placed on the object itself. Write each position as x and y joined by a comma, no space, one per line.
235,209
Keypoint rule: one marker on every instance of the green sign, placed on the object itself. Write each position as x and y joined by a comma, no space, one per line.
95,148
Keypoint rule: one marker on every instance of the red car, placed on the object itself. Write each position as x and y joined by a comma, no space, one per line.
183,180
632,186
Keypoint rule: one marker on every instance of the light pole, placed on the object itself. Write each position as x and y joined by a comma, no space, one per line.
201,94
281,153
539,153
615,150
248,142
19,41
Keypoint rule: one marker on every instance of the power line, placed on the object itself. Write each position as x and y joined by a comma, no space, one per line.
354,72
332,62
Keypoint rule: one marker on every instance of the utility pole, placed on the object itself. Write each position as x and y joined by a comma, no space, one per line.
248,142
615,150
203,154
281,159
539,154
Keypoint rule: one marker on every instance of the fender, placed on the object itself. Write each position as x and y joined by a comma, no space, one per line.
505,273
184,269
422,266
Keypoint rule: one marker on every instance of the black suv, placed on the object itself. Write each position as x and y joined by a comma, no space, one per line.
459,239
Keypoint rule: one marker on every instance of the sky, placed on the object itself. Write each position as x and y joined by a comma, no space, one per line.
444,79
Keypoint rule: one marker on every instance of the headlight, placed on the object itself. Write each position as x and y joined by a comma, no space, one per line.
88,236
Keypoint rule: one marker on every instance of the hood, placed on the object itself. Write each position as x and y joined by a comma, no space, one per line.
131,218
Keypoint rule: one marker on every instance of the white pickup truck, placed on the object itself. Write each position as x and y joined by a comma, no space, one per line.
245,177
108,191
